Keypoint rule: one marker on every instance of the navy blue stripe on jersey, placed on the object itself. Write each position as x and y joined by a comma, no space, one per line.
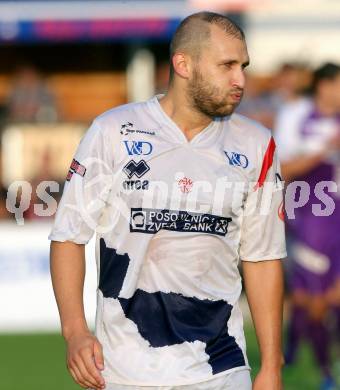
165,319
113,268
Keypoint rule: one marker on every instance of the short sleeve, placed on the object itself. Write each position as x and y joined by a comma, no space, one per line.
86,190
262,229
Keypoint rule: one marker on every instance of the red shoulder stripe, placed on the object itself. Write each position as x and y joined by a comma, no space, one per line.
266,164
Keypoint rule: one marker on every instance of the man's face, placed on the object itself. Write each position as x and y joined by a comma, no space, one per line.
217,82
336,92
329,92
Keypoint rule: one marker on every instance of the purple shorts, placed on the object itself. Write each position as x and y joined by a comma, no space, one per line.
313,271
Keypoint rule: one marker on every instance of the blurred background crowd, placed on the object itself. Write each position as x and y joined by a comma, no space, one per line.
65,62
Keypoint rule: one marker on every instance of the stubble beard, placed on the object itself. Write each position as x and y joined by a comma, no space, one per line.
205,98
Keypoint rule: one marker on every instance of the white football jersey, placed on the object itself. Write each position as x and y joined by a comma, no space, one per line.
173,218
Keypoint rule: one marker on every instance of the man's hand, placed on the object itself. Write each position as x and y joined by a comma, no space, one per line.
268,380
85,360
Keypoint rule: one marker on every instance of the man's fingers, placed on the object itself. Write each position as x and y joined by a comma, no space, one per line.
84,354
86,377
98,355
91,370
77,377
89,363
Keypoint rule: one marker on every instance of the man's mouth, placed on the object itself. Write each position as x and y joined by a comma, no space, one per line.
237,96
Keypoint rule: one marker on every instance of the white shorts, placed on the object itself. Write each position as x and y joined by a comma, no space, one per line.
237,380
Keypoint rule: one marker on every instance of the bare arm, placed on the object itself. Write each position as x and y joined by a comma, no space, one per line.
264,289
300,165
84,354
68,273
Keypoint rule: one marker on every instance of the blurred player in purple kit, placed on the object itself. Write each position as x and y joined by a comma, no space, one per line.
308,137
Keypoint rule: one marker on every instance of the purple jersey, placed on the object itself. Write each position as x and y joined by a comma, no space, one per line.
302,131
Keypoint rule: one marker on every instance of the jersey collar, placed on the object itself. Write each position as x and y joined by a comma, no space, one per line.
172,131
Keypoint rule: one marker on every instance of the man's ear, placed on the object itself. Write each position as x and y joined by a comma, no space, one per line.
181,63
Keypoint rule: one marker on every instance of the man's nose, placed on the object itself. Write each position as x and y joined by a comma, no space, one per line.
239,79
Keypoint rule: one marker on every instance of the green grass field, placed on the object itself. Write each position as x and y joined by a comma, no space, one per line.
36,362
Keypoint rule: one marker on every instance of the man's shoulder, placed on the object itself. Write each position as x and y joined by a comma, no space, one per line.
249,129
122,114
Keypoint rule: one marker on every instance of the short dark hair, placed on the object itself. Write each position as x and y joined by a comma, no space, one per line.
328,71
194,31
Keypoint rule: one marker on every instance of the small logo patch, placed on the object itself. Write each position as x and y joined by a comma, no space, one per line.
237,159
131,169
127,128
138,148
136,169
185,185
77,168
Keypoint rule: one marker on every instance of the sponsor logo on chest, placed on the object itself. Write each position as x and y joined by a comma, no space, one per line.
237,159
136,169
128,128
138,148
151,221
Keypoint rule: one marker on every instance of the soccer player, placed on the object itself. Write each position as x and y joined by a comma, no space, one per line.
179,189
308,136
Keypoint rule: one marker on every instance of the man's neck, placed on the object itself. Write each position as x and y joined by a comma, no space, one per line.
189,120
